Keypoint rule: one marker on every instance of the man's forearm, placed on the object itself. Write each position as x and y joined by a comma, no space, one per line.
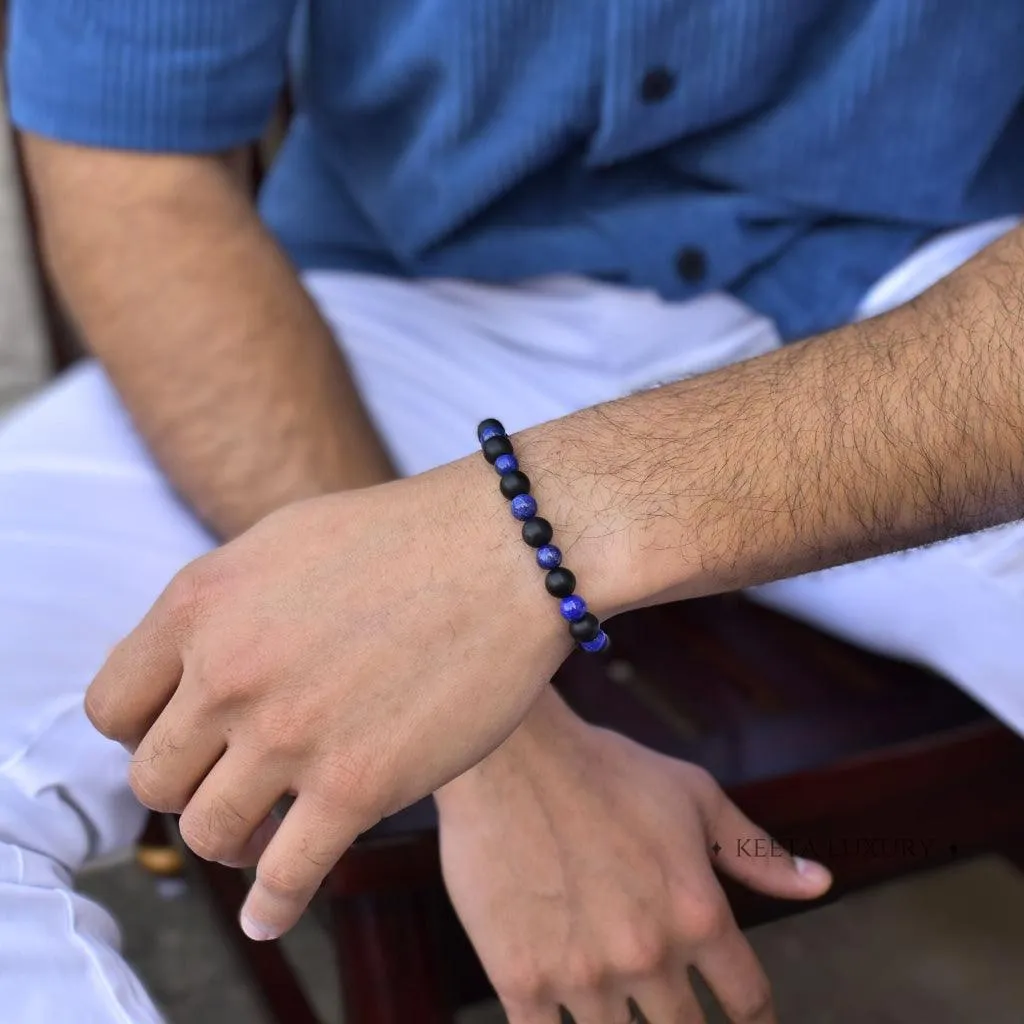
887,434
224,363
219,354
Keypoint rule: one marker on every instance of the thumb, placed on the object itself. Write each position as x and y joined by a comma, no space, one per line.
748,854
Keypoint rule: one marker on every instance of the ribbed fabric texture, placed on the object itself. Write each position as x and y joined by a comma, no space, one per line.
179,75
802,148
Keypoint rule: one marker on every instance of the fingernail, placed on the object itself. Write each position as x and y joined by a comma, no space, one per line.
812,870
255,931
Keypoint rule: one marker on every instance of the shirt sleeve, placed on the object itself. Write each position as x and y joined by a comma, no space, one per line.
157,75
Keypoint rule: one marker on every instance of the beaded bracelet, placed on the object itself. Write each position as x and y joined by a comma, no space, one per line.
560,582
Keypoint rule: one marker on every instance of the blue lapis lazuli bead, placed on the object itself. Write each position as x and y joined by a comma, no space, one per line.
573,607
524,506
549,557
506,464
598,644
488,432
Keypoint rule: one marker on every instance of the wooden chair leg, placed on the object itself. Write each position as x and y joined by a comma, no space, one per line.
388,959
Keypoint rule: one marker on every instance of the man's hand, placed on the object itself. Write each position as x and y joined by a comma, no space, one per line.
357,651
581,866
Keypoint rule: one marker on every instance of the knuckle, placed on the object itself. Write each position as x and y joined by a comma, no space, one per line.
289,726
226,675
152,790
700,776
754,1002
281,739
583,972
101,712
352,783
638,951
351,779
196,587
520,982
705,918
201,841
185,593
219,683
704,785
282,882
217,832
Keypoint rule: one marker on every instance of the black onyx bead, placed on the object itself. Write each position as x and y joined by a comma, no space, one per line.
585,629
495,446
514,483
489,428
560,582
537,532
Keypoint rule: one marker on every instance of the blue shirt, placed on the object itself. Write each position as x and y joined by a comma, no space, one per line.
790,151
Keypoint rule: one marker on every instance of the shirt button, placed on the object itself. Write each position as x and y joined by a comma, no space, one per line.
691,265
656,85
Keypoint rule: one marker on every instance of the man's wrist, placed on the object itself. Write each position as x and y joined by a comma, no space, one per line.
529,758
531,755
601,520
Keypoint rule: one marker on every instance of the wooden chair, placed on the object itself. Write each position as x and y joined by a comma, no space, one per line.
875,767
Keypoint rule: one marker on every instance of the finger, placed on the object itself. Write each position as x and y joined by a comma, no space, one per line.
590,1008
748,854
140,673
308,843
534,1014
175,755
668,997
230,806
733,973
600,1004
250,854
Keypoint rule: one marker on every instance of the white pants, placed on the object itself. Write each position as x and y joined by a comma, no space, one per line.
90,534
